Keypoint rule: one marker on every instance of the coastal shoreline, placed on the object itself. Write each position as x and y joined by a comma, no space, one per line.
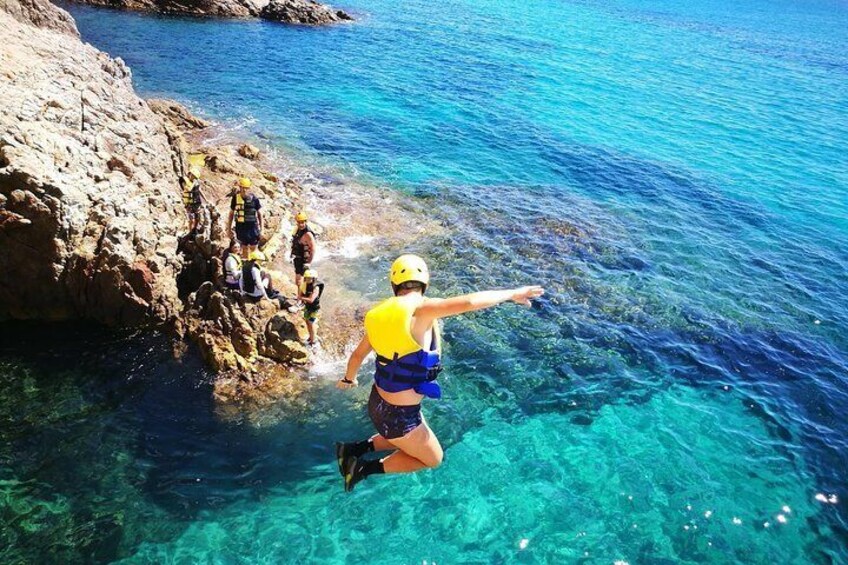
292,12
253,348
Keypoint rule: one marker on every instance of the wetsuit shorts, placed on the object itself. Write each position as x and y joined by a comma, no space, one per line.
392,421
299,266
247,234
310,314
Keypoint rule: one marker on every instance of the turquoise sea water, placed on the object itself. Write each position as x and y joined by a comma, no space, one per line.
674,173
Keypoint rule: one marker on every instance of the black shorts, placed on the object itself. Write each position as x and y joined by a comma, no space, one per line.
392,421
247,234
299,266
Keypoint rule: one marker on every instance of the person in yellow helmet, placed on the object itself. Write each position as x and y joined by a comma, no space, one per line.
192,197
245,210
403,331
309,292
302,246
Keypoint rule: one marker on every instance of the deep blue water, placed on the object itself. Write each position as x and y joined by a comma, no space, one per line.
674,173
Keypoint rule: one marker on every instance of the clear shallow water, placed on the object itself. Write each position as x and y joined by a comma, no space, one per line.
675,175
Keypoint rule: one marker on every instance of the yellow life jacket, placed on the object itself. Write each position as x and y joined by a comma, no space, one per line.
188,192
402,363
245,211
306,289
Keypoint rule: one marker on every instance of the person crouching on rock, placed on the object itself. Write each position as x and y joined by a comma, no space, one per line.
192,197
232,266
309,292
245,209
403,330
302,247
254,283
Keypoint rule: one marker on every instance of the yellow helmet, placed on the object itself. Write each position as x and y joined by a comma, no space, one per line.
408,268
310,274
301,217
194,171
244,182
256,256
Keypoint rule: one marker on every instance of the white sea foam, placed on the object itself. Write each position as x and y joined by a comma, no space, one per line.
351,247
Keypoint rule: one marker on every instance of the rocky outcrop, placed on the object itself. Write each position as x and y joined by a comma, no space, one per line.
249,151
91,219
177,115
305,12
233,335
212,8
40,13
89,202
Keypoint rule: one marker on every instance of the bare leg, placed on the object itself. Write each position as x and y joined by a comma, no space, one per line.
400,462
381,443
419,448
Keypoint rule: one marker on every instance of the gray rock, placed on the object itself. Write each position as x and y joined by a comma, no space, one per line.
40,13
305,12
216,8
177,115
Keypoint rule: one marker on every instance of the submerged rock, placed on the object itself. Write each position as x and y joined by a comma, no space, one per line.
89,204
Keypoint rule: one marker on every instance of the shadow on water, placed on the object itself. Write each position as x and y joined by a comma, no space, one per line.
108,442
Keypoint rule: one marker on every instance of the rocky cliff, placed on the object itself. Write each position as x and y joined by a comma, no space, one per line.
305,12
40,13
92,224
89,209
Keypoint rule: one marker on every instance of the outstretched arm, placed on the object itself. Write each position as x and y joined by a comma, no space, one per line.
434,308
356,358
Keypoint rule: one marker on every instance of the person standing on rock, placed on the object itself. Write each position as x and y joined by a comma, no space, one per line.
309,292
403,330
192,197
245,210
302,247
